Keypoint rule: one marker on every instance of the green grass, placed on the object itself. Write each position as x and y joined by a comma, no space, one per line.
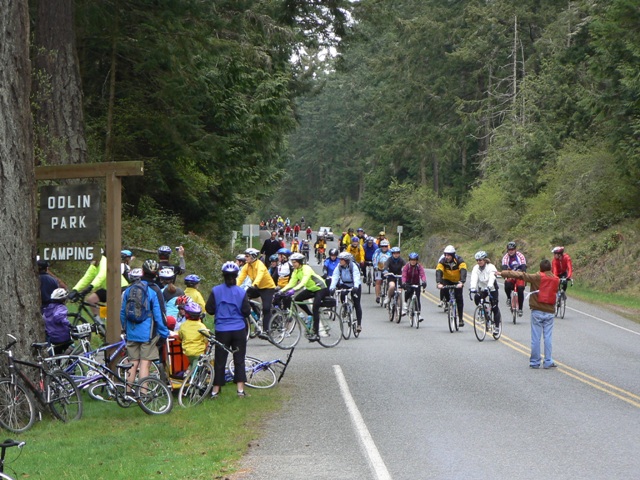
203,442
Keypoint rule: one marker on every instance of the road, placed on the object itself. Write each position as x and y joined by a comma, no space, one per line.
400,403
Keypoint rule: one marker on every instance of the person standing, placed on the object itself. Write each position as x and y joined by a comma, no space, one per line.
542,300
270,246
229,304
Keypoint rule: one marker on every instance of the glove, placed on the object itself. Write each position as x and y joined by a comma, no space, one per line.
290,293
252,292
423,285
86,291
332,292
73,294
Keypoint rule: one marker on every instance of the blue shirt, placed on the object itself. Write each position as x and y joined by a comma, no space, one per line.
348,276
230,306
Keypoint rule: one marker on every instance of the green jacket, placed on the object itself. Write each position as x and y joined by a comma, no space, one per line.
97,277
305,277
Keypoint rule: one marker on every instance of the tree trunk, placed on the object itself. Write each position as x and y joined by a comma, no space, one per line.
59,121
19,289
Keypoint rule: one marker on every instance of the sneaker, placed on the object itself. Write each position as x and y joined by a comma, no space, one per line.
496,330
534,366
263,336
420,319
552,365
441,305
314,338
386,302
508,302
242,394
215,394
404,311
446,307
358,328
461,324
378,300
519,313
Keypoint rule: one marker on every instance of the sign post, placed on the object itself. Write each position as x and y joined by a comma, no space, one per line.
247,231
399,234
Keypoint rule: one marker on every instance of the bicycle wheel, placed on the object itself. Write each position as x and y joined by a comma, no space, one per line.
562,305
345,318
154,397
259,373
398,303
514,306
330,330
480,323
197,386
392,309
17,407
284,331
63,395
102,391
496,336
354,322
453,321
369,280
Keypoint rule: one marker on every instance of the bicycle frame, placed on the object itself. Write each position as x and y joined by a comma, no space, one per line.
453,309
412,306
4,446
483,319
395,303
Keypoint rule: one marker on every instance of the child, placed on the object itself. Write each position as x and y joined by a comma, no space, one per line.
181,301
192,281
193,342
56,324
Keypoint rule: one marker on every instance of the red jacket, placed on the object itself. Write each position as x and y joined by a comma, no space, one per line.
562,267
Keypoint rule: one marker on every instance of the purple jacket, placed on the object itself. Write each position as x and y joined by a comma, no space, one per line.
56,323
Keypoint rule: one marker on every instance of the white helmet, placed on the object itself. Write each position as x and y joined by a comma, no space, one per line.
345,256
59,294
298,257
450,249
166,273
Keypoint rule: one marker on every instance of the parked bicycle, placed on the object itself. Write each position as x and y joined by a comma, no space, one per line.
561,298
452,308
483,319
347,313
395,303
288,324
84,314
4,446
54,390
413,312
368,276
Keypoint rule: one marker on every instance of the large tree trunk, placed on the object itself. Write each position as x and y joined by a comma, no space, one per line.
19,289
59,122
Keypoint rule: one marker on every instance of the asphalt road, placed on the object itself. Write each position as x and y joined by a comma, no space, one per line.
400,403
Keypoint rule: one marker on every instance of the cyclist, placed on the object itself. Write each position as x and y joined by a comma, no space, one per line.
320,247
262,285
164,252
345,241
452,270
393,265
381,236
273,267
369,248
191,282
330,263
514,260
296,230
230,306
347,275
561,266
305,284
304,249
241,260
309,232
48,283
361,235
170,292
125,264
380,257
295,245
356,251
193,342
483,283
181,301
413,274
284,269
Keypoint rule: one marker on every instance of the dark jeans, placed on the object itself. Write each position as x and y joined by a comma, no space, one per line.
317,300
355,297
458,295
497,317
236,341
508,288
266,294
407,296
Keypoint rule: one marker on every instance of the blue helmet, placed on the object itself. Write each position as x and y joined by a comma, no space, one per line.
395,250
191,280
355,239
273,258
230,267
414,256
284,251
125,254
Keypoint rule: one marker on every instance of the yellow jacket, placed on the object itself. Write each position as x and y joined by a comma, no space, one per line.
195,295
357,252
258,273
193,342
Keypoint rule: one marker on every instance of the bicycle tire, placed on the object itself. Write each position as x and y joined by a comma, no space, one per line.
154,397
392,310
562,306
398,303
480,323
330,328
102,391
284,331
345,317
259,374
17,407
197,386
154,371
451,317
496,336
514,306
4,476
64,399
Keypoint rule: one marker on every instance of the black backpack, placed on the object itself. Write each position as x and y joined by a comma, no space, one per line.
137,308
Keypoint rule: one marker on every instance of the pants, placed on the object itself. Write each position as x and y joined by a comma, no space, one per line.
444,294
355,297
236,341
508,288
541,326
266,294
407,295
317,300
497,317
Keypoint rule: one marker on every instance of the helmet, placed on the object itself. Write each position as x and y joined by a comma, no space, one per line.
360,230
382,234
171,322
191,280
150,267
135,274
384,243
284,251
192,310
182,300
450,249
241,258
126,254
298,257
414,256
481,255
166,273
252,252
345,256
370,239
355,239
333,251
320,237
558,250
273,258
511,245
350,230
395,250
230,267
59,294
164,250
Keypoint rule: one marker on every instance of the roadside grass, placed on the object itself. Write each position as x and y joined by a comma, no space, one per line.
203,442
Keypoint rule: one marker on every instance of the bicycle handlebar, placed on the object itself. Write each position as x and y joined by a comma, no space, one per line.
8,443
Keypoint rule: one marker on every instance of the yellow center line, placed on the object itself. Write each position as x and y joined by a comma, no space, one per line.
620,393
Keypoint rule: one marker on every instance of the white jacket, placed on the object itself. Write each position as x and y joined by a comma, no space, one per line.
485,278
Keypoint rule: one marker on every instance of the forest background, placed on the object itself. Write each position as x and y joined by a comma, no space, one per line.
470,122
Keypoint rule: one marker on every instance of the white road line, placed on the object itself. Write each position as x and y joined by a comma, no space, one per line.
603,321
375,460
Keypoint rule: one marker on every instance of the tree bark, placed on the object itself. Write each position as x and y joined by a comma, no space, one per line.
19,288
59,121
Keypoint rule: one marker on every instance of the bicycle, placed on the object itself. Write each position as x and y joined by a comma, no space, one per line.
55,390
561,298
412,308
368,275
395,304
384,288
347,314
483,319
254,320
84,314
321,256
287,325
4,446
452,309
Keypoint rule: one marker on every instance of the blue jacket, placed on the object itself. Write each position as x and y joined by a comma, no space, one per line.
347,276
330,266
369,251
152,326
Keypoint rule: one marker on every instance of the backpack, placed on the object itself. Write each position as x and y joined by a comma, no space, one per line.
137,307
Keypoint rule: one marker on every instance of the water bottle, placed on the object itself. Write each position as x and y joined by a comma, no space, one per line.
254,315
309,322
